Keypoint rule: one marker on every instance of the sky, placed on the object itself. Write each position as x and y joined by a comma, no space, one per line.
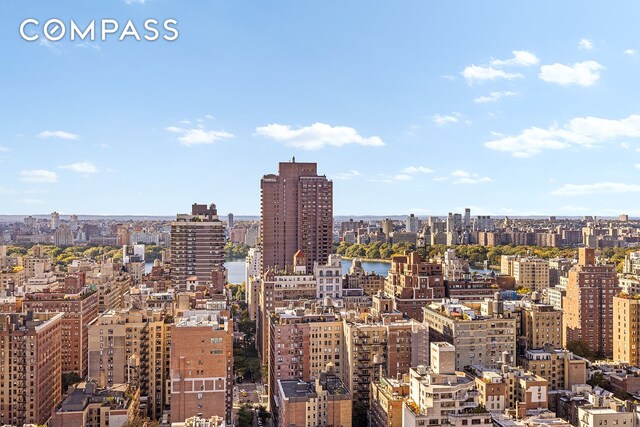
424,107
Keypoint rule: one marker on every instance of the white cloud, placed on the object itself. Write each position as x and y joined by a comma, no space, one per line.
135,1
402,177
347,175
3,149
460,176
637,165
596,188
59,134
416,169
630,52
585,73
82,167
440,119
316,136
209,116
479,73
199,135
585,44
521,58
493,97
578,132
40,176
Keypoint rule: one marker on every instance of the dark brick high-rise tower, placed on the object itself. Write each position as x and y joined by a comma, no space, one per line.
297,214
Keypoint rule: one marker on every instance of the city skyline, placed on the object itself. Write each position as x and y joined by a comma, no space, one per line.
417,109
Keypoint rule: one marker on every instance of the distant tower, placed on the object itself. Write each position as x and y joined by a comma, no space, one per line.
412,224
467,218
55,220
230,221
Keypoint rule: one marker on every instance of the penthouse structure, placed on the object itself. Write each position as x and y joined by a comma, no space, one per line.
297,214
91,406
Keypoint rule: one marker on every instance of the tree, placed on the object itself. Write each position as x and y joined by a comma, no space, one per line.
360,415
70,379
580,348
245,416
263,414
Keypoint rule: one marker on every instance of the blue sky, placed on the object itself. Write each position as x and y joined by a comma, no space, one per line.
510,108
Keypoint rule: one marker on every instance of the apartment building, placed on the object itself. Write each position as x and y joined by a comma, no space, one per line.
31,363
441,396
302,342
79,309
541,325
413,283
356,278
387,396
201,368
531,273
561,368
375,347
588,304
132,347
626,329
89,405
322,402
297,214
481,339
197,245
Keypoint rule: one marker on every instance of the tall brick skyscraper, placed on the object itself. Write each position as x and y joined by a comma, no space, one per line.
297,214
588,304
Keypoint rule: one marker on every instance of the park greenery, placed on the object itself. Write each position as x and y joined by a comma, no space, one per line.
475,254
235,251
63,256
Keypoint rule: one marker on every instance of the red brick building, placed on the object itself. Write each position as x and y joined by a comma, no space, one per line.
588,304
413,283
31,365
79,310
201,367
297,214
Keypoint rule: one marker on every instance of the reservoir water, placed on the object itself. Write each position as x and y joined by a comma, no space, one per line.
236,269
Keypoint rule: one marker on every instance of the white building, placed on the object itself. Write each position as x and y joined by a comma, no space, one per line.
329,278
441,396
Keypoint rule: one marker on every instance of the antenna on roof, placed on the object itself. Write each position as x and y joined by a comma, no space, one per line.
293,159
